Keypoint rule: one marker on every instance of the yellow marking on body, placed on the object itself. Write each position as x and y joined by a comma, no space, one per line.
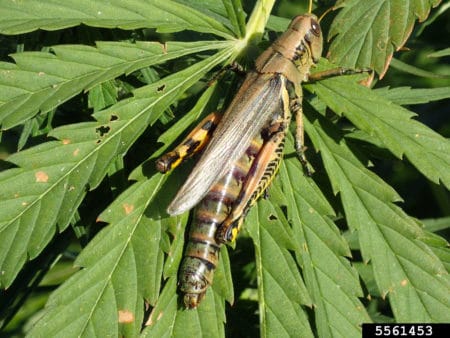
185,150
254,186
235,232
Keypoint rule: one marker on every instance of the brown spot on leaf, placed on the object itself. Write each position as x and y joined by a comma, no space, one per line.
163,47
126,317
128,208
41,176
367,81
76,152
404,282
150,321
65,141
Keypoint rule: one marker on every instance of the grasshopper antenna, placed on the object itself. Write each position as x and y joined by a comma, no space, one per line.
332,8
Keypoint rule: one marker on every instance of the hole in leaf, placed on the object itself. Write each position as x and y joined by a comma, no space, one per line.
102,130
160,88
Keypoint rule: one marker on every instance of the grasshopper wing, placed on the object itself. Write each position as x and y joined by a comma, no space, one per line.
255,104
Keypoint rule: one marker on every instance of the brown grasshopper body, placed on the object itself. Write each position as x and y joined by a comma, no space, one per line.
244,152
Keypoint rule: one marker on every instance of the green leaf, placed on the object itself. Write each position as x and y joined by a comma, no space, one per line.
280,286
408,95
440,53
167,320
223,281
277,24
258,19
433,17
131,268
428,151
102,96
332,282
120,268
404,67
437,224
308,281
167,16
364,33
41,81
405,269
236,15
54,176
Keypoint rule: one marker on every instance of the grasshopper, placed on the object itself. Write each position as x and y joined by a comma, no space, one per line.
242,150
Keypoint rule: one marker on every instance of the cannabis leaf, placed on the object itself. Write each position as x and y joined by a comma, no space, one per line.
39,82
322,255
167,16
366,34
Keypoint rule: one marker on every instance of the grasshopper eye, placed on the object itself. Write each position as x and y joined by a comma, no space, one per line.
315,27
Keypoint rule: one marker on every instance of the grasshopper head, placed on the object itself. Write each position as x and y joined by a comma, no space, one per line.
304,38
295,51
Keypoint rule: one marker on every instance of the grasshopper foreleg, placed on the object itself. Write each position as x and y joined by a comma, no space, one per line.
234,66
296,108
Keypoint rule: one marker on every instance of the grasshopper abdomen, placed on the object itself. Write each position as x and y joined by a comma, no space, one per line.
202,250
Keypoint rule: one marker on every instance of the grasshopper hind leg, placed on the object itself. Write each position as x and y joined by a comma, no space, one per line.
262,172
192,144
